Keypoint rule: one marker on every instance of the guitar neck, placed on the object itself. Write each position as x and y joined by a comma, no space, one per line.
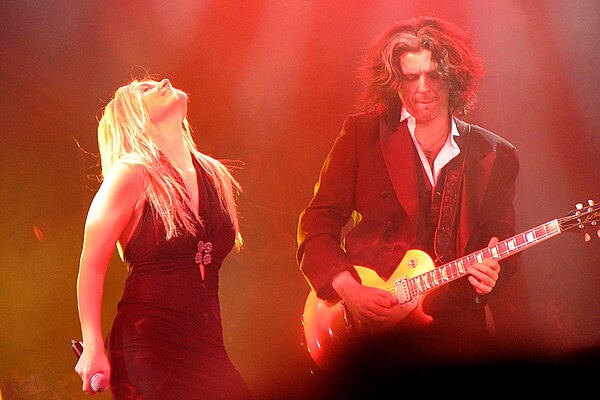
453,270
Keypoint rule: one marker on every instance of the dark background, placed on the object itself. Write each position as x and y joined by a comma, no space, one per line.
270,83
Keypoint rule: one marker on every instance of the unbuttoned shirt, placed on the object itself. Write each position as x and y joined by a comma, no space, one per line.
447,153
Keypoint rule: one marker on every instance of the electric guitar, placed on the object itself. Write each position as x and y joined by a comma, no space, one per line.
329,327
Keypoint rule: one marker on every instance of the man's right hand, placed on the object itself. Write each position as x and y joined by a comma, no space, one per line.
370,306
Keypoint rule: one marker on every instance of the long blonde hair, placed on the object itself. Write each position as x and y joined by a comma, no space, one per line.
123,138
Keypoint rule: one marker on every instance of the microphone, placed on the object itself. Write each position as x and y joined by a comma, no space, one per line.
98,382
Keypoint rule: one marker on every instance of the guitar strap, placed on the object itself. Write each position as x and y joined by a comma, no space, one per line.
444,238
445,234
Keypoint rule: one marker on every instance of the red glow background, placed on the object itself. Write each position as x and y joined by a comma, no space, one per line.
270,84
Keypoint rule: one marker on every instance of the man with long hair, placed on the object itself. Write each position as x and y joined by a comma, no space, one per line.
408,186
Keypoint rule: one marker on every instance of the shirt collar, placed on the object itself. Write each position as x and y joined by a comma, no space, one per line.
412,122
448,151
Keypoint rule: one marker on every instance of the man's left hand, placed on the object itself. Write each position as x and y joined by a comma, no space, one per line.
483,276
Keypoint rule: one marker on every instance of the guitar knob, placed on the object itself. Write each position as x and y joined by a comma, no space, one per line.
412,263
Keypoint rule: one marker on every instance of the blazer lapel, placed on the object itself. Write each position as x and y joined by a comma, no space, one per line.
476,178
398,154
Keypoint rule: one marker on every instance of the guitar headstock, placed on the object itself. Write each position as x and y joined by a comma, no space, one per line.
583,217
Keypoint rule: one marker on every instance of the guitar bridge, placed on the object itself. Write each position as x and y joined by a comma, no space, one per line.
402,290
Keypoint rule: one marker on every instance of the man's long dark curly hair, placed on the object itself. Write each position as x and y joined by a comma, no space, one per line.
451,49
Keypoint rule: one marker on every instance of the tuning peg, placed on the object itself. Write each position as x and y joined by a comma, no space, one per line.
598,233
579,206
587,237
590,202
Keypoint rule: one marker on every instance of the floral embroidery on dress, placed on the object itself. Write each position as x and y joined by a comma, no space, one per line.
203,256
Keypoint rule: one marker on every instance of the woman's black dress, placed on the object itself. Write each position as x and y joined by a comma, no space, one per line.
166,341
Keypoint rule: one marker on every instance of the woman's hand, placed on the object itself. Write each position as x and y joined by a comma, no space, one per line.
91,363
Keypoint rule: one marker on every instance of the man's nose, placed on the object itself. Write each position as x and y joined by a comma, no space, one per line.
423,84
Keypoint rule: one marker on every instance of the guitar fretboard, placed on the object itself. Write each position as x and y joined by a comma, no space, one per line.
455,269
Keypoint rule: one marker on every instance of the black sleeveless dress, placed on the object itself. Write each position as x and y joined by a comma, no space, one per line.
166,341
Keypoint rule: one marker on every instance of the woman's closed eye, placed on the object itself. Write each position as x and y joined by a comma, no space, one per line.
146,87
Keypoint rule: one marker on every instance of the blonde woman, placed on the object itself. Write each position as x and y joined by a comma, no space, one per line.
171,212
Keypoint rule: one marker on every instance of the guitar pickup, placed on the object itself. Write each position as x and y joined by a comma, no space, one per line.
402,290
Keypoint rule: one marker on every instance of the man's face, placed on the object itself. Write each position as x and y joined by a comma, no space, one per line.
422,90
